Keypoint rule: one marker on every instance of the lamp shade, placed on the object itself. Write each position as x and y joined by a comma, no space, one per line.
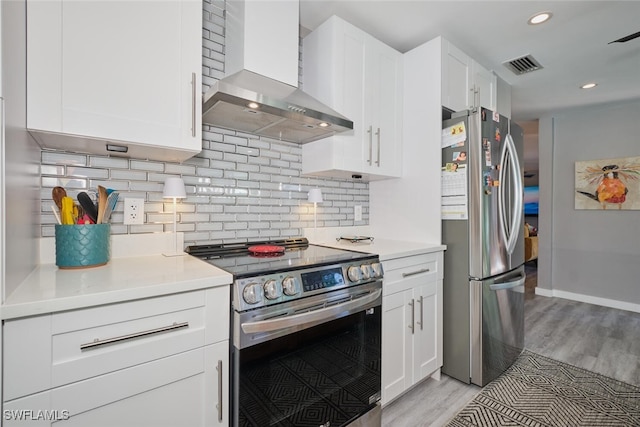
315,195
174,188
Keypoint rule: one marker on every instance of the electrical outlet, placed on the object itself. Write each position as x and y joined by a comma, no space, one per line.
133,211
357,212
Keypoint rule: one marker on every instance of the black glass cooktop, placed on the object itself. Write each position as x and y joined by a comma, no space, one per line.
241,263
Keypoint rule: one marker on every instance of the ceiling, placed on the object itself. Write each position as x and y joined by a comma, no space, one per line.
572,47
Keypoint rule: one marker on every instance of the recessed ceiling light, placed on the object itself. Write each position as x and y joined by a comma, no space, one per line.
252,105
323,124
588,86
539,18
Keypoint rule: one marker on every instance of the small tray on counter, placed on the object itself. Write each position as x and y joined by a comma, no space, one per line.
356,239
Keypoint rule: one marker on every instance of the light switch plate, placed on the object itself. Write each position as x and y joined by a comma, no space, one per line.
357,212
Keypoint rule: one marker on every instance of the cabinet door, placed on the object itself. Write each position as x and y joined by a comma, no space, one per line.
354,96
361,78
117,71
384,77
457,90
485,84
426,334
178,390
396,344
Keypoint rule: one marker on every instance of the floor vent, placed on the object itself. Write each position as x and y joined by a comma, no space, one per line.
523,65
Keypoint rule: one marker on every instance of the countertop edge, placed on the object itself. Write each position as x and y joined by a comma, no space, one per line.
208,276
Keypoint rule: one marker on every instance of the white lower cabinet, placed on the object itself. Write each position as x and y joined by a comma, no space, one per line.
157,362
411,322
177,390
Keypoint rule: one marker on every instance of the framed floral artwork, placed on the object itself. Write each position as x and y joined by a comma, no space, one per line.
608,184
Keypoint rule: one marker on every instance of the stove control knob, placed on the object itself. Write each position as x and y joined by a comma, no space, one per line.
290,286
354,273
272,289
252,293
377,269
367,272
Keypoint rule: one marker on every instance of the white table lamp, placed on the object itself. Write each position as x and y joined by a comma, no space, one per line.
174,189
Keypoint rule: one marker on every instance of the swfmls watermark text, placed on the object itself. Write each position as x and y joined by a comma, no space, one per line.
35,415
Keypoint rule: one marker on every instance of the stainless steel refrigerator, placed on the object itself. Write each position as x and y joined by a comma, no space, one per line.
482,226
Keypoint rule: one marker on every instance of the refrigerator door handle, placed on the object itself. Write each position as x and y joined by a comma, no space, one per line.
508,285
510,156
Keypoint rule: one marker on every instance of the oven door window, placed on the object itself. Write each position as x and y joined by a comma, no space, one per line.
325,375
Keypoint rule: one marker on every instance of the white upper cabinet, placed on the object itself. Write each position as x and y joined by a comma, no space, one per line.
116,73
361,78
457,88
465,83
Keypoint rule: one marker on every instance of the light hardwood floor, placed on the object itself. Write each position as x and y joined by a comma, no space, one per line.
600,339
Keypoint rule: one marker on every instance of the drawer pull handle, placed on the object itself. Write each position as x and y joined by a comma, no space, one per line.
413,273
219,406
412,326
98,342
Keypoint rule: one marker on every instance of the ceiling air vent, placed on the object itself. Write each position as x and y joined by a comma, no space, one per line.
522,65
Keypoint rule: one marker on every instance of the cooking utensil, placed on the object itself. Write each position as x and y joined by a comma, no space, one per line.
112,200
56,214
102,203
66,212
88,206
57,194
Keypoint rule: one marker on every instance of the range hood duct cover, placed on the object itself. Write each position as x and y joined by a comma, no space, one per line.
284,112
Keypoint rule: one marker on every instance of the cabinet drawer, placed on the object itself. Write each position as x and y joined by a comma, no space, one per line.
176,390
71,346
423,266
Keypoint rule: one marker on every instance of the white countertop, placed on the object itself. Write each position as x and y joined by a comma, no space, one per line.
49,289
384,248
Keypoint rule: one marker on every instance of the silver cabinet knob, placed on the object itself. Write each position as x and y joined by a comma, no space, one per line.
252,293
290,286
272,289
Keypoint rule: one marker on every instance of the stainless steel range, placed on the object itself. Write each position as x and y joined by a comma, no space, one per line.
306,328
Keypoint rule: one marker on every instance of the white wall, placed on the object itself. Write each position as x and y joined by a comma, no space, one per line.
589,255
21,160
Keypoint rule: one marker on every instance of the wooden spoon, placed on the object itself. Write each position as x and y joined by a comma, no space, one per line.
102,203
57,194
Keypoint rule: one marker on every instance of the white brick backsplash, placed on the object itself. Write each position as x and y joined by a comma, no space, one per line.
146,165
108,162
64,182
87,172
62,158
239,188
128,174
52,170
179,169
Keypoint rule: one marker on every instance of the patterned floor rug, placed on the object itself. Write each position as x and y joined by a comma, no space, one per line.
538,391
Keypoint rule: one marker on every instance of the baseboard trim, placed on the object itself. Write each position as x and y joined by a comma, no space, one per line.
605,302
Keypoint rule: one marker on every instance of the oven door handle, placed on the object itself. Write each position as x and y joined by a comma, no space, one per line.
311,317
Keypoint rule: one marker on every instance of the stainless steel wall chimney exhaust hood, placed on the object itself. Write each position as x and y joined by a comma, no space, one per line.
256,104
259,93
